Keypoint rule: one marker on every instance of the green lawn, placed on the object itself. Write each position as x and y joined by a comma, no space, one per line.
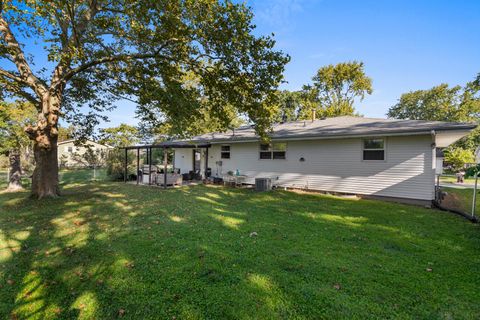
66,176
107,250
3,179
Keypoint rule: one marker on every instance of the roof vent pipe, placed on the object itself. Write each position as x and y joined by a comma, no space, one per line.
313,115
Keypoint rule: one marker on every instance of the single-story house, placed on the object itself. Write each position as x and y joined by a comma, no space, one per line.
384,158
71,155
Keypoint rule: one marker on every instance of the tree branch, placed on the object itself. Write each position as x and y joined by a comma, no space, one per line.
18,91
19,59
12,76
73,41
121,57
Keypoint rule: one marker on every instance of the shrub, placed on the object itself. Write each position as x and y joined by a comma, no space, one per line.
116,164
458,158
470,172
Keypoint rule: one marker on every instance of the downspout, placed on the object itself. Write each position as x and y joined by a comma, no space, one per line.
434,167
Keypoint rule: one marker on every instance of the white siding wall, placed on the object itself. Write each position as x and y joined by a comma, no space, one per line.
66,158
335,165
184,160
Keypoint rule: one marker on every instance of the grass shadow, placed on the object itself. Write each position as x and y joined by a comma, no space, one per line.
105,250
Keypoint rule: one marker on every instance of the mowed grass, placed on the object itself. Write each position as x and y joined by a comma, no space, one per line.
106,250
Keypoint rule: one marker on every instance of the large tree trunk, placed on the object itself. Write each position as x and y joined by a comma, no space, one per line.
15,176
45,175
45,136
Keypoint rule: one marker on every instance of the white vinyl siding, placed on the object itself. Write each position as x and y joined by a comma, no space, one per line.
335,165
67,149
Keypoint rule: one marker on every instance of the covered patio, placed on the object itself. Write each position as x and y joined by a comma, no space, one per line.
150,174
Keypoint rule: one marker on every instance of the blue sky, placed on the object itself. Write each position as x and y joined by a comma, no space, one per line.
405,45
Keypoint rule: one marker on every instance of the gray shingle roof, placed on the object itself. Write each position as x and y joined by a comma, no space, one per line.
337,126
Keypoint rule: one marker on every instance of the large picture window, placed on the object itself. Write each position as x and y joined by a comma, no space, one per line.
276,150
374,149
225,152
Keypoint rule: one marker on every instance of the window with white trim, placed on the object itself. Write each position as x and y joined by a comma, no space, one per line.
374,149
276,150
225,152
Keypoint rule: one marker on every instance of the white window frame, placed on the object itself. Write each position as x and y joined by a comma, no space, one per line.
373,149
272,150
229,151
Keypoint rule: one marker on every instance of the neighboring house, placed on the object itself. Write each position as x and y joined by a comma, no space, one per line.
372,157
439,161
71,155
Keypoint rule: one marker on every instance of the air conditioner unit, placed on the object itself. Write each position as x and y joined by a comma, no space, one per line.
263,184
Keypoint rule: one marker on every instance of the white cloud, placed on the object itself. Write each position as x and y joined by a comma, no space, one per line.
279,13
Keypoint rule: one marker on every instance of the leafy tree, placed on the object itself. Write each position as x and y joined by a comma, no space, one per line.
335,89
440,103
289,106
92,158
66,133
120,136
115,163
458,157
443,103
13,142
145,51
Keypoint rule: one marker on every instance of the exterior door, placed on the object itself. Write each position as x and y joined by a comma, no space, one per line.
196,161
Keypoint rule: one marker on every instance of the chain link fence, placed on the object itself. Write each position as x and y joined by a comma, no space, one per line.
458,195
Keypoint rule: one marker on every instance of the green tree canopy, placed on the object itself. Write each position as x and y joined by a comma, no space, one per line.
120,136
443,103
13,141
335,89
66,133
440,103
458,157
289,105
13,118
145,51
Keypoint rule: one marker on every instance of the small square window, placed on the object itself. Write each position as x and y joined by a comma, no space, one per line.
265,155
225,152
278,154
373,149
276,150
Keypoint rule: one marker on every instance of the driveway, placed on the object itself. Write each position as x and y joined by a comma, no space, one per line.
458,185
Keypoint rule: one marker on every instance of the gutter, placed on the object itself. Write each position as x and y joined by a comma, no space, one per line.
314,137
377,133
